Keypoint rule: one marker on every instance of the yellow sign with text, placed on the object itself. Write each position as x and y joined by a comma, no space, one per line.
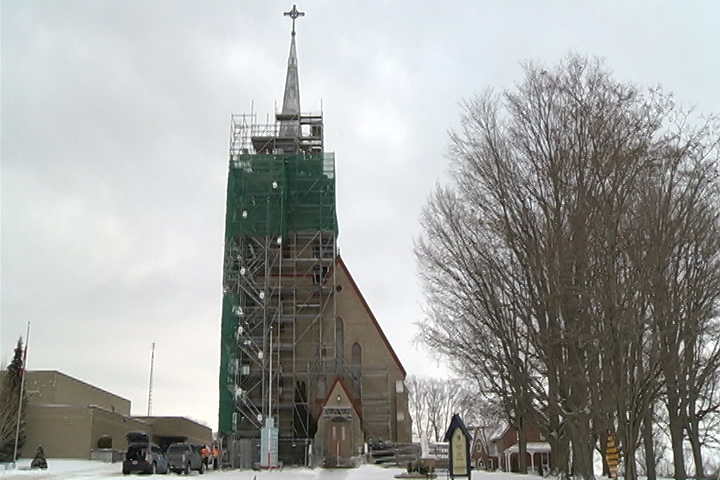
459,452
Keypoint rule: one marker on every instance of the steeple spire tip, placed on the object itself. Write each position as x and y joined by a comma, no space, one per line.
294,14
290,126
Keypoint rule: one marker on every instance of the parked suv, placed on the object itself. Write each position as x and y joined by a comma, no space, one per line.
143,456
183,457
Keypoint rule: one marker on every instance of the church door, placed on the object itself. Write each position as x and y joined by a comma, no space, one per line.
338,439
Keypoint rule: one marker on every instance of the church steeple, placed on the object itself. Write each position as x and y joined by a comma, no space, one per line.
290,115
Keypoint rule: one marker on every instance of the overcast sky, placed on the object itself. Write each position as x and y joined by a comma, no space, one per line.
115,131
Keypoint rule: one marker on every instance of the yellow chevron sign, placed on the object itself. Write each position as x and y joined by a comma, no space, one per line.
611,455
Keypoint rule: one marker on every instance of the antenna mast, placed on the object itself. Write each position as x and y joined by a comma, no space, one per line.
152,366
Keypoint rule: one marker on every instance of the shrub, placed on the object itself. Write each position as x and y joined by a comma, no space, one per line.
105,441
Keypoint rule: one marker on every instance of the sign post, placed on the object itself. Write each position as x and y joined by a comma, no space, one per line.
459,438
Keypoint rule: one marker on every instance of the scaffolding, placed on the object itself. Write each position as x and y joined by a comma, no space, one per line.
278,280
282,344
278,345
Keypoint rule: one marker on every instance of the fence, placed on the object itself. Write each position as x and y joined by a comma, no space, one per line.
398,454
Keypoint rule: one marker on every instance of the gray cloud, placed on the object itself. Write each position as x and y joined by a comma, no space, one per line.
115,119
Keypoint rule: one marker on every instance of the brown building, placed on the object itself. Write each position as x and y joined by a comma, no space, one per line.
294,322
67,417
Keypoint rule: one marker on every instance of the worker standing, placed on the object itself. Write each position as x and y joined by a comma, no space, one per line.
205,455
215,456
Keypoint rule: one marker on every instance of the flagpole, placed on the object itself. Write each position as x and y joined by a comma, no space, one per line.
152,367
22,391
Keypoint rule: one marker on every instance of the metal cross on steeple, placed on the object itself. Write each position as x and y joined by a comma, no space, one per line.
294,14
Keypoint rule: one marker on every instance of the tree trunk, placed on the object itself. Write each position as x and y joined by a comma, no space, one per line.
693,434
629,460
649,444
632,432
559,456
582,449
676,439
522,445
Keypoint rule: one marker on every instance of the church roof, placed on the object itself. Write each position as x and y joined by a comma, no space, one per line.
339,261
353,401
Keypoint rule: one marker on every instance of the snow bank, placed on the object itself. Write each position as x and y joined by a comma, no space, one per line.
61,469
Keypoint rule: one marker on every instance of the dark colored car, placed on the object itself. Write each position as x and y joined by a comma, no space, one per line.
183,457
204,454
143,456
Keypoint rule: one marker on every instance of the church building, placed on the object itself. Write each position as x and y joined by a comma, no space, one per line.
307,376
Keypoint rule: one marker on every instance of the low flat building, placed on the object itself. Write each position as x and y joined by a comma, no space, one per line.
67,417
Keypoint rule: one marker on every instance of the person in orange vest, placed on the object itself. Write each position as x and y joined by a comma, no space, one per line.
205,455
215,456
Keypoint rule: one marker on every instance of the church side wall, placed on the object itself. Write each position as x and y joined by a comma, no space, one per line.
403,422
388,409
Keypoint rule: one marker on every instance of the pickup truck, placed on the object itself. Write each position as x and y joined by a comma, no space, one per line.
183,457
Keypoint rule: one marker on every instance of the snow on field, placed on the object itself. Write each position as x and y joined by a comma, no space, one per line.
85,469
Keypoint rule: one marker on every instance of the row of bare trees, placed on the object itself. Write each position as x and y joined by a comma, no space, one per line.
572,266
433,402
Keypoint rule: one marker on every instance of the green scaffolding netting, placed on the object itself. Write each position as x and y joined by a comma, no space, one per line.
277,194
227,355
271,195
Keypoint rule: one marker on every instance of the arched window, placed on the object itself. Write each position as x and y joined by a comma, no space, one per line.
321,389
339,338
356,362
356,355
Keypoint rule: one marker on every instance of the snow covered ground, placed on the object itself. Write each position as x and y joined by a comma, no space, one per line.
86,469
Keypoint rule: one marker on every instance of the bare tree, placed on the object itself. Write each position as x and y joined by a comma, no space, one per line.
681,250
433,402
532,260
417,404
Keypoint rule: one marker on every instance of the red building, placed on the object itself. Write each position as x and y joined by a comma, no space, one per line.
503,450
